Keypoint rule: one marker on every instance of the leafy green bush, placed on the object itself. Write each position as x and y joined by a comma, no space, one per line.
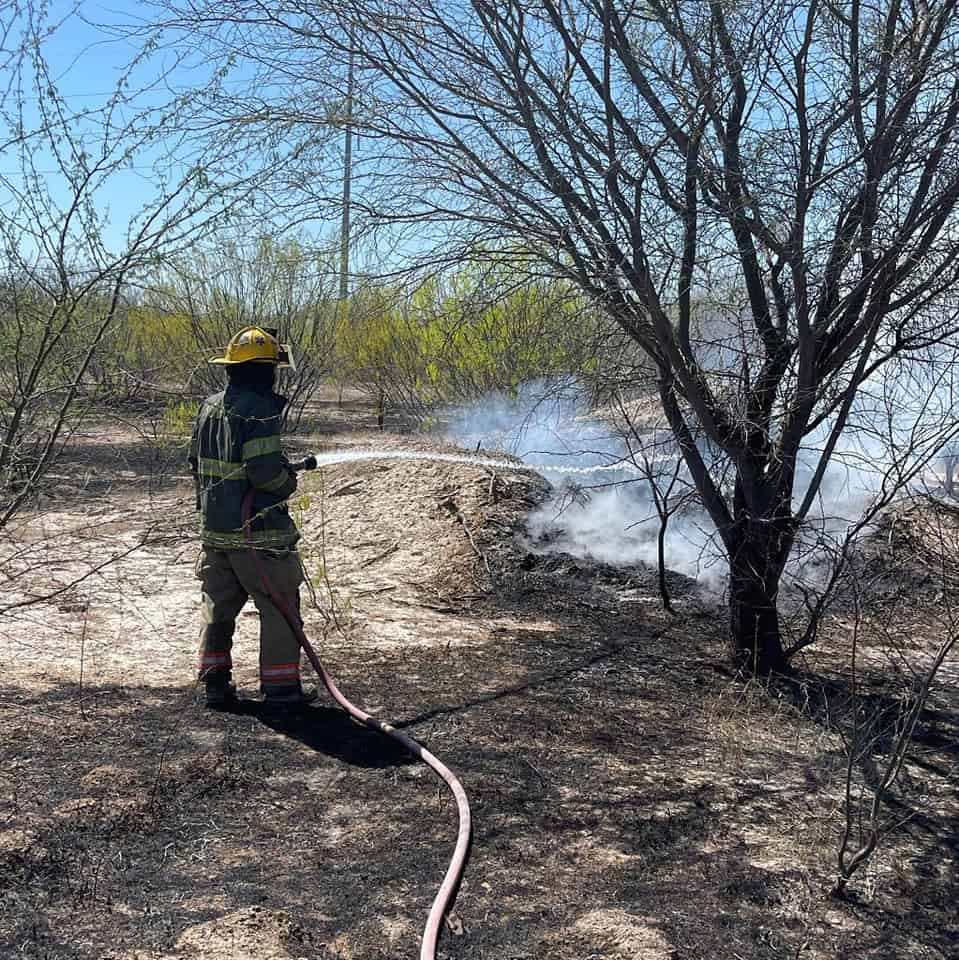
177,421
455,341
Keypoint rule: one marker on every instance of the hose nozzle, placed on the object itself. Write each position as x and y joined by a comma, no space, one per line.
307,463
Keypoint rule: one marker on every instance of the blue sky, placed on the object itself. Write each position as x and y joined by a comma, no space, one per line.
88,54
86,63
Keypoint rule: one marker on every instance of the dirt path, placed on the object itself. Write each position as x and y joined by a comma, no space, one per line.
629,801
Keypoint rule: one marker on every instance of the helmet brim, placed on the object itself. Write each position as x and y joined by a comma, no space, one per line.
223,362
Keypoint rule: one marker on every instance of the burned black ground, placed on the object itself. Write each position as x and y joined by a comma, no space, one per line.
630,798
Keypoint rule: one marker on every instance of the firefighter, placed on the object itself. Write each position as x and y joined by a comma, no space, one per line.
236,446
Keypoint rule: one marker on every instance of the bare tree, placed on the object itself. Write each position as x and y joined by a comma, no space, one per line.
65,269
781,176
656,458
278,284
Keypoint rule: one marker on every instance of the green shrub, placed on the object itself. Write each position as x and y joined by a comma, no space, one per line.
176,423
455,341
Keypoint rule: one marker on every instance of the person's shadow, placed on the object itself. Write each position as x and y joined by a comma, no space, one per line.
330,731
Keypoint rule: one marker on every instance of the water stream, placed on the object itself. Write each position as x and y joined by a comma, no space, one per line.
544,469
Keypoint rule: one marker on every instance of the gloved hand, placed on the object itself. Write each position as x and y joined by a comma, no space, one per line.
288,488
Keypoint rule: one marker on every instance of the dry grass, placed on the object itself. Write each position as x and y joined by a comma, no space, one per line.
630,800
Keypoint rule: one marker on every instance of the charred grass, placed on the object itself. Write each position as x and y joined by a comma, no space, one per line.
628,802
630,799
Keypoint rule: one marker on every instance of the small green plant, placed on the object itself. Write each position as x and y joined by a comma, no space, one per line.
335,605
177,420
311,558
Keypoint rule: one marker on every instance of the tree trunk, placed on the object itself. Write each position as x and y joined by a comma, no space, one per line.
754,620
661,563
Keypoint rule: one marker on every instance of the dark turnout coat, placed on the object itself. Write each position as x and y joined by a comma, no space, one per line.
235,446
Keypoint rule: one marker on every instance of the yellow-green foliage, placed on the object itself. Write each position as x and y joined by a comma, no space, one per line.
153,339
178,418
470,336
488,327
146,348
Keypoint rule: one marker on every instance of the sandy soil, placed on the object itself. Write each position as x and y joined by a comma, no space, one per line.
630,799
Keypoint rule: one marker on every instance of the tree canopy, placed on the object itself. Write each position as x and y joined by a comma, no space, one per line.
761,194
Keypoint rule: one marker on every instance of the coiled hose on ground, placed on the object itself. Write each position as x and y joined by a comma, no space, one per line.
454,871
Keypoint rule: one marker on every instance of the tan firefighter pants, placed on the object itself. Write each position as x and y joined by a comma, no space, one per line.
230,578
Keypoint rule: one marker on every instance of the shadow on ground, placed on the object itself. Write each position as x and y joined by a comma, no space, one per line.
330,731
628,802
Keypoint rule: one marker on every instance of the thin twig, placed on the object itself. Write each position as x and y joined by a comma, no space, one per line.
392,548
349,487
455,510
73,583
83,646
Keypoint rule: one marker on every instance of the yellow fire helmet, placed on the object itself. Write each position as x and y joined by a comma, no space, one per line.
251,344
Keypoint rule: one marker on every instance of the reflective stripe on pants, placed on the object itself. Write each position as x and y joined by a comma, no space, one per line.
229,579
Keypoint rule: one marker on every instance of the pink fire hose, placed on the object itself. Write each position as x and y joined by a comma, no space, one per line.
454,871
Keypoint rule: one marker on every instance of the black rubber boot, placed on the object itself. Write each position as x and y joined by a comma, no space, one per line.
288,696
220,691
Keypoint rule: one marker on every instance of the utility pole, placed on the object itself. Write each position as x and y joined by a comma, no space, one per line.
343,307
347,183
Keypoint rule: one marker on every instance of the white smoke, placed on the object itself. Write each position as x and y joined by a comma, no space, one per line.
611,516
608,516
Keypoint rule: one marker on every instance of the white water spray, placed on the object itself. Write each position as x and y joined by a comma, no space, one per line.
543,469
